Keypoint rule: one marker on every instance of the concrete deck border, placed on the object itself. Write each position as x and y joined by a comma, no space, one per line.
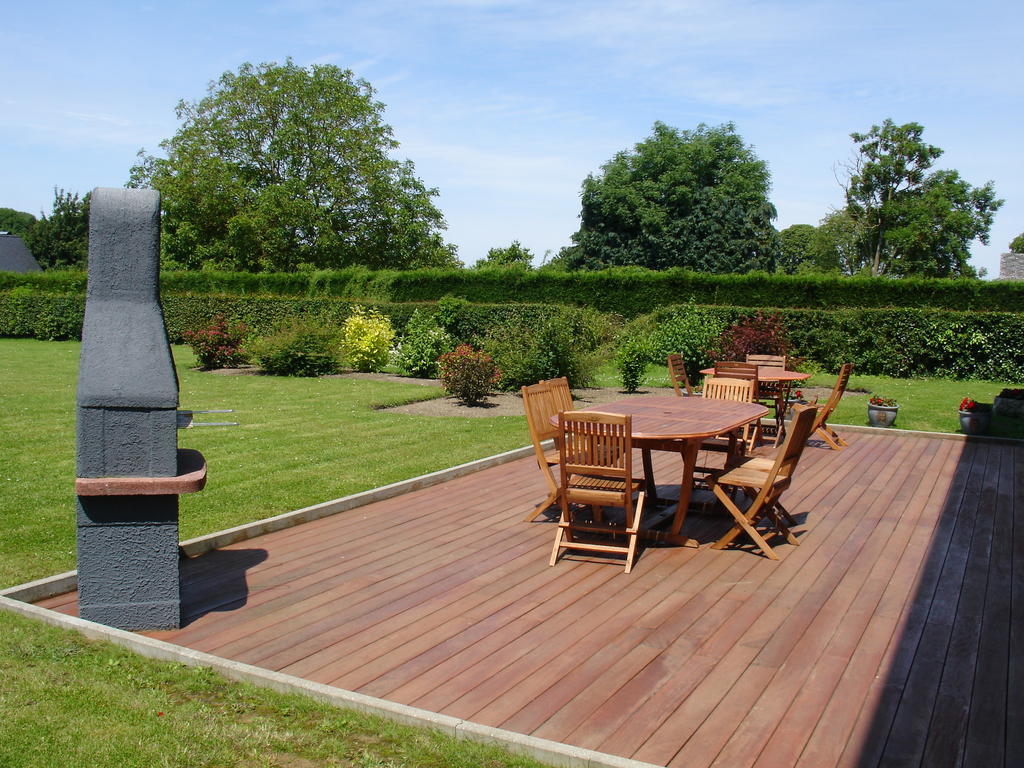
551,752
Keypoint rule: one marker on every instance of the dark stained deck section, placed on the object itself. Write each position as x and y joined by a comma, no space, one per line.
893,635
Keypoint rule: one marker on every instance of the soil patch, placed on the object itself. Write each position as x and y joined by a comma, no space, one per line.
501,403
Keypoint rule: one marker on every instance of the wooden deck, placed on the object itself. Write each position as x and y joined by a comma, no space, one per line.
888,637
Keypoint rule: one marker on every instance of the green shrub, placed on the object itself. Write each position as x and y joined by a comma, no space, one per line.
219,345
631,361
366,340
300,348
687,330
468,374
547,349
425,341
1017,244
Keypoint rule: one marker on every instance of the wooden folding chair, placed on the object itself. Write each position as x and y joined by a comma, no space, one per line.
561,392
769,361
736,369
738,390
821,427
763,482
541,403
677,372
596,456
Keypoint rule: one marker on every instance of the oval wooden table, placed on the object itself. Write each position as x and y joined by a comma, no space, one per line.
677,423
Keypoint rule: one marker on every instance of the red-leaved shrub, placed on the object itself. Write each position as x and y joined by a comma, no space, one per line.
762,334
468,374
219,345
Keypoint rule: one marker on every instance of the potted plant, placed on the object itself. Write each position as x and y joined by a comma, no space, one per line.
1009,402
974,417
882,411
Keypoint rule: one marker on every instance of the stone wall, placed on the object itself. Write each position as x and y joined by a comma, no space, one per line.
1011,266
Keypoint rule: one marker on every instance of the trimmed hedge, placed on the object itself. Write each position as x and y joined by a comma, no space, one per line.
627,291
54,317
890,342
901,343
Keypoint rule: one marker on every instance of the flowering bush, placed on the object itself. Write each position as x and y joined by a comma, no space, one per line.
219,345
425,341
366,340
468,374
886,402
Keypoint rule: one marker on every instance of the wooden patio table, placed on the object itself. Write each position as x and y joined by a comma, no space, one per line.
688,420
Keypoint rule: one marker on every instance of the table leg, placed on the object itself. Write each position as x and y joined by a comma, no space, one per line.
689,454
651,489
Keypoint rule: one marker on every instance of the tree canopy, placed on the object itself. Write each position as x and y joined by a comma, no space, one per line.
281,167
62,238
514,255
795,247
910,221
1017,244
696,199
16,222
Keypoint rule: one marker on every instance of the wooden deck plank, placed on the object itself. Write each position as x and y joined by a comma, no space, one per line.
748,714
907,737
734,644
911,553
809,662
813,730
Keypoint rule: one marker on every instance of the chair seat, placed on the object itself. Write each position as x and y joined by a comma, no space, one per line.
746,475
551,457
584,489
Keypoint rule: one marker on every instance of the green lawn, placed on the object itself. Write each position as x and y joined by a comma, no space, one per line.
299,442
68,701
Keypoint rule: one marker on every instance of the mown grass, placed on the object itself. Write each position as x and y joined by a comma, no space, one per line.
71,702
299,442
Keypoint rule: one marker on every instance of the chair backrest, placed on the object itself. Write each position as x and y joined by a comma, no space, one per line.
738,390
768,361
561,392
837,394
677,372
792,448
736,369
596,444
540,405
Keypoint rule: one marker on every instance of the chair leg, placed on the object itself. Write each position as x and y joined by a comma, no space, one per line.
562,533
834,444
551,499
743,524
633,531
785,514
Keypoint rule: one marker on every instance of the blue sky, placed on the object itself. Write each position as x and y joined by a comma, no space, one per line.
505,107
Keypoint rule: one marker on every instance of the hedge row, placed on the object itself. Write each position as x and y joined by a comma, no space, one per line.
901,343
57,317
890,342
627,291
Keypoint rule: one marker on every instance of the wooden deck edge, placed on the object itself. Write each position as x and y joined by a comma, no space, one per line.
957,436
52,586
551,752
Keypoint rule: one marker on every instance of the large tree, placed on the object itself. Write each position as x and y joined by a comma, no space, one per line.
281,167
914,222
696,199
515,255
16,222
62,238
